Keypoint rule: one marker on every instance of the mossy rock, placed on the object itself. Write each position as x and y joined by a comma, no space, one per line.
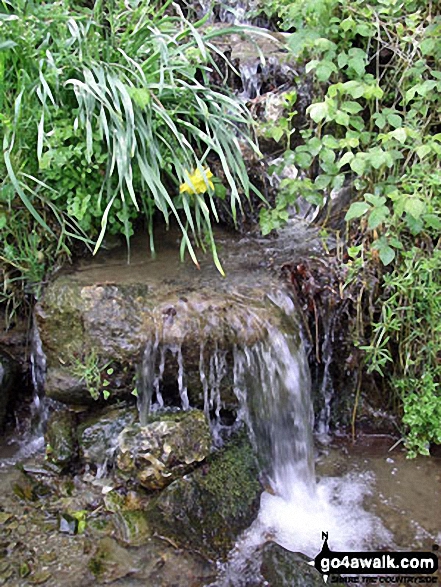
61,438
8,378
97,434
114,316
210,507
165,449
282,568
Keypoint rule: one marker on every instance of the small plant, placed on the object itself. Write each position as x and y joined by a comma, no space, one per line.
88,370
373,124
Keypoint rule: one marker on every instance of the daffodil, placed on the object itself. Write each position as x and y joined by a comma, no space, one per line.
197,183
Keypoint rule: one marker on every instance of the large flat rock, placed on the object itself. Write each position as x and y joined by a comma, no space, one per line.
97,319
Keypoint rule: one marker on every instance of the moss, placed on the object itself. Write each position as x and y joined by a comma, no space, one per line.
211,507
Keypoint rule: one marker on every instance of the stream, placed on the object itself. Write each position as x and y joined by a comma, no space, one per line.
365,495
230,349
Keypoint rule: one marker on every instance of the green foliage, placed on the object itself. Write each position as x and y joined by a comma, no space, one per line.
92,374
104,114
374,123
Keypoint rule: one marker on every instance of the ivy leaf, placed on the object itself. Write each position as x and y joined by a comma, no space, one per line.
432,221
358,165
399,134
356,210
421,151
318,111
378,216
324,70
394,120
415,207
387,254
351,107
322,181
347,158
380,121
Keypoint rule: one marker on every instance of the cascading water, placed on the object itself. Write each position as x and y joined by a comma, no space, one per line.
271,380
32,441
326,387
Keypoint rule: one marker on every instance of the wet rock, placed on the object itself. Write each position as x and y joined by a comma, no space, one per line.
68,524
8,379
132,528
39,577
61,438
111,561
112,311
160,452
208,508
98,434
288,569
29,489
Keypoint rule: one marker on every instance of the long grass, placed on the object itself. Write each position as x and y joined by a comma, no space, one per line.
132,81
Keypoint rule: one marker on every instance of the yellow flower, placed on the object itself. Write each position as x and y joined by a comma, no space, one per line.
197,183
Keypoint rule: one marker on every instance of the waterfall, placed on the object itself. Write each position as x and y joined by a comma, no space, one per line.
40,409
271,380
272,383
251,80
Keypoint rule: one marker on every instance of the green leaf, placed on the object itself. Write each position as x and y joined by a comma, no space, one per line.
399,134
322,181
324,70
358,64
377,157
380,121
351,107
394,120
387,255
358,165
342,118
363,29
375,200
330,142
415,207
378,216
415,225
347,158
318,111
347,24
432,221
303,159
311,65
338,181
423,150
356,210
428,46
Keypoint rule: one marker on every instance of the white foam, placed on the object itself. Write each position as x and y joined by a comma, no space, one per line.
336,507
